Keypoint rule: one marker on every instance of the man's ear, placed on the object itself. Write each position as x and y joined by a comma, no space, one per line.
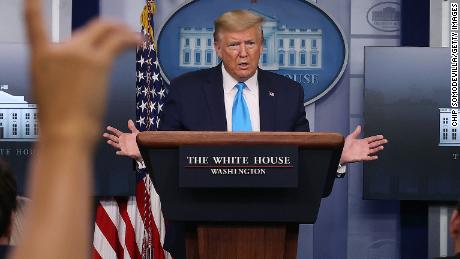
455,225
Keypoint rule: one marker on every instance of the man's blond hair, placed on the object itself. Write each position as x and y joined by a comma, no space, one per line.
235,21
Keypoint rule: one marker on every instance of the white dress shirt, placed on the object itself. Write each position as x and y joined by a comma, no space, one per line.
250,94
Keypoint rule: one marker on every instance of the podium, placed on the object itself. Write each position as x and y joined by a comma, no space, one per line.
250,205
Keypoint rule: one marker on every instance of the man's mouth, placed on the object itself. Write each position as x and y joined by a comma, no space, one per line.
243,65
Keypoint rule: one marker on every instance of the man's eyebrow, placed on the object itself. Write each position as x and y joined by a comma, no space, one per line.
231,42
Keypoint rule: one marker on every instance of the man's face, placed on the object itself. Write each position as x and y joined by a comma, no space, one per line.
240,52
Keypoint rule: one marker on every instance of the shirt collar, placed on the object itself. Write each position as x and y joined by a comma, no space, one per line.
230,82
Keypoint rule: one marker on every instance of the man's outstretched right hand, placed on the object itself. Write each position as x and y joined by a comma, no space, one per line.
125,143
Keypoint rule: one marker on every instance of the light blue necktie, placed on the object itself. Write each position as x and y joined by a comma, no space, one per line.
240,113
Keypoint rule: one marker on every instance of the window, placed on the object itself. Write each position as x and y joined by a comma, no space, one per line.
35,129
313,44
186,56
281,44
454,134
314,59
208,57
303,58
197,57
302,43
445,121
281,58
15,116
291,43
291,59
27,116
264,58
209,42
15,129
198,42
1,116
187,42
27,129
265,43
444,134
35,116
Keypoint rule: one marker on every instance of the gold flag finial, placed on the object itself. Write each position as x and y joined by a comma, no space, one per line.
147,14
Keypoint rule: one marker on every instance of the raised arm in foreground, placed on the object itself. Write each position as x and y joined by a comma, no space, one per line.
69,84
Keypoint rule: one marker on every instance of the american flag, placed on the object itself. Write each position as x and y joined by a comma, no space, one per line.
133,227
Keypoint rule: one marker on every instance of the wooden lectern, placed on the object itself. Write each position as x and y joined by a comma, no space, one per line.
241,216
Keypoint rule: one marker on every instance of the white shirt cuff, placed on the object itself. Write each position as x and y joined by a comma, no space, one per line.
140,164
341,170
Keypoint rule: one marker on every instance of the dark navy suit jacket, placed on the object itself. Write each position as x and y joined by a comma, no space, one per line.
196,102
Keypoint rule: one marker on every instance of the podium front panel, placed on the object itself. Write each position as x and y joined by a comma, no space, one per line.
299,205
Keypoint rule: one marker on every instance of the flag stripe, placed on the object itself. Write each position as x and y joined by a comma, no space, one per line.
96,255
130,240
112,211
135,217
102,245
110,232
157,213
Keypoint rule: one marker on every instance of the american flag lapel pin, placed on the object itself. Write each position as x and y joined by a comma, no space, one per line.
271,93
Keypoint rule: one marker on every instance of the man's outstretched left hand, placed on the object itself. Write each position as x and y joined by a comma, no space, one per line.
356,149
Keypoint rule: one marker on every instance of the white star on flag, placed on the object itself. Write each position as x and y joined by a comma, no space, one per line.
140,76
145,91
162,93
152,106
155,77
141,121
143,106
142,61
158,121
160,107
156,63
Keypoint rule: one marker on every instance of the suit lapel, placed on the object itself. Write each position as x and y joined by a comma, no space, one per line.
267,103
214,91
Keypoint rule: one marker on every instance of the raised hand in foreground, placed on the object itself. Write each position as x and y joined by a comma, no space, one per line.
69,83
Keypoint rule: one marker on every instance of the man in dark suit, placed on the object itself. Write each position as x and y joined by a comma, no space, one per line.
238,96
